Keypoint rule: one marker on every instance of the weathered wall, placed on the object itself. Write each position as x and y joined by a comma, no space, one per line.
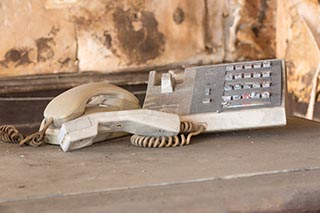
35,40
298,41
53,36
59,36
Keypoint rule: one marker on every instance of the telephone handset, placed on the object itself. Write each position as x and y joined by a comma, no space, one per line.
86,99
89,98
224,97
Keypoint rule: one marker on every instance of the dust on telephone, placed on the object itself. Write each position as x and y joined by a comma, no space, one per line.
213,98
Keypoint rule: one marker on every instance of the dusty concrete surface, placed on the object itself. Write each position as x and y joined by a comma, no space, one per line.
265,170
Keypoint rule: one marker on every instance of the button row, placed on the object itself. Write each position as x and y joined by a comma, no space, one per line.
265,64
236,76
265,84
252,95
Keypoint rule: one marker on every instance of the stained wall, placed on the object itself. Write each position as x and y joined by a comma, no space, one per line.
58,36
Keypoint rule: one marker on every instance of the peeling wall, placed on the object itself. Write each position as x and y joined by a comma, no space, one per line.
298,41
34,40
54,36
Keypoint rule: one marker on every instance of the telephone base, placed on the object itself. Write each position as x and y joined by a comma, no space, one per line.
247,119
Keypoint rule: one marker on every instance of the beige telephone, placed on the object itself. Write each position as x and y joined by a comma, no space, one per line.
242,95
98,111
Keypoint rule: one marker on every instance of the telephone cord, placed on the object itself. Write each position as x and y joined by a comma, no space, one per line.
10,134
186,127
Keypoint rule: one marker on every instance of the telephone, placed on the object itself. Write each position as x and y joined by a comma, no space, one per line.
177,106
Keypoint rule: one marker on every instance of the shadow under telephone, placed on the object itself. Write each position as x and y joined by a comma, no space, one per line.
212,98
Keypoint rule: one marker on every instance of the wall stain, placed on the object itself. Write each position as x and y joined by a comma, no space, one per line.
107,39
82,21
64,62
261,16
255,32
17,56
54,31
139,44
45,50
178,16
86,18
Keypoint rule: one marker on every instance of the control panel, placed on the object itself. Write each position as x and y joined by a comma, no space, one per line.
237,86
240,95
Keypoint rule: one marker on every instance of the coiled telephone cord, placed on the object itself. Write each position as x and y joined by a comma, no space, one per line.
186,127
10,134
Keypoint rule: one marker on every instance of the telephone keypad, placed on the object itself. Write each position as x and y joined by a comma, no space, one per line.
250,86
237,86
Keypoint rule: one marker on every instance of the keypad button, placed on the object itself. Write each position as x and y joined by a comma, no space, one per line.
266,84
238,76
247,75
265,95
226,98
255,95
266,64
239,67
229,77
248,66
237,86
256,85
246,96
236,97
247,86
207,91
266,74
230,68
256,75
257,65
227,87
206,100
